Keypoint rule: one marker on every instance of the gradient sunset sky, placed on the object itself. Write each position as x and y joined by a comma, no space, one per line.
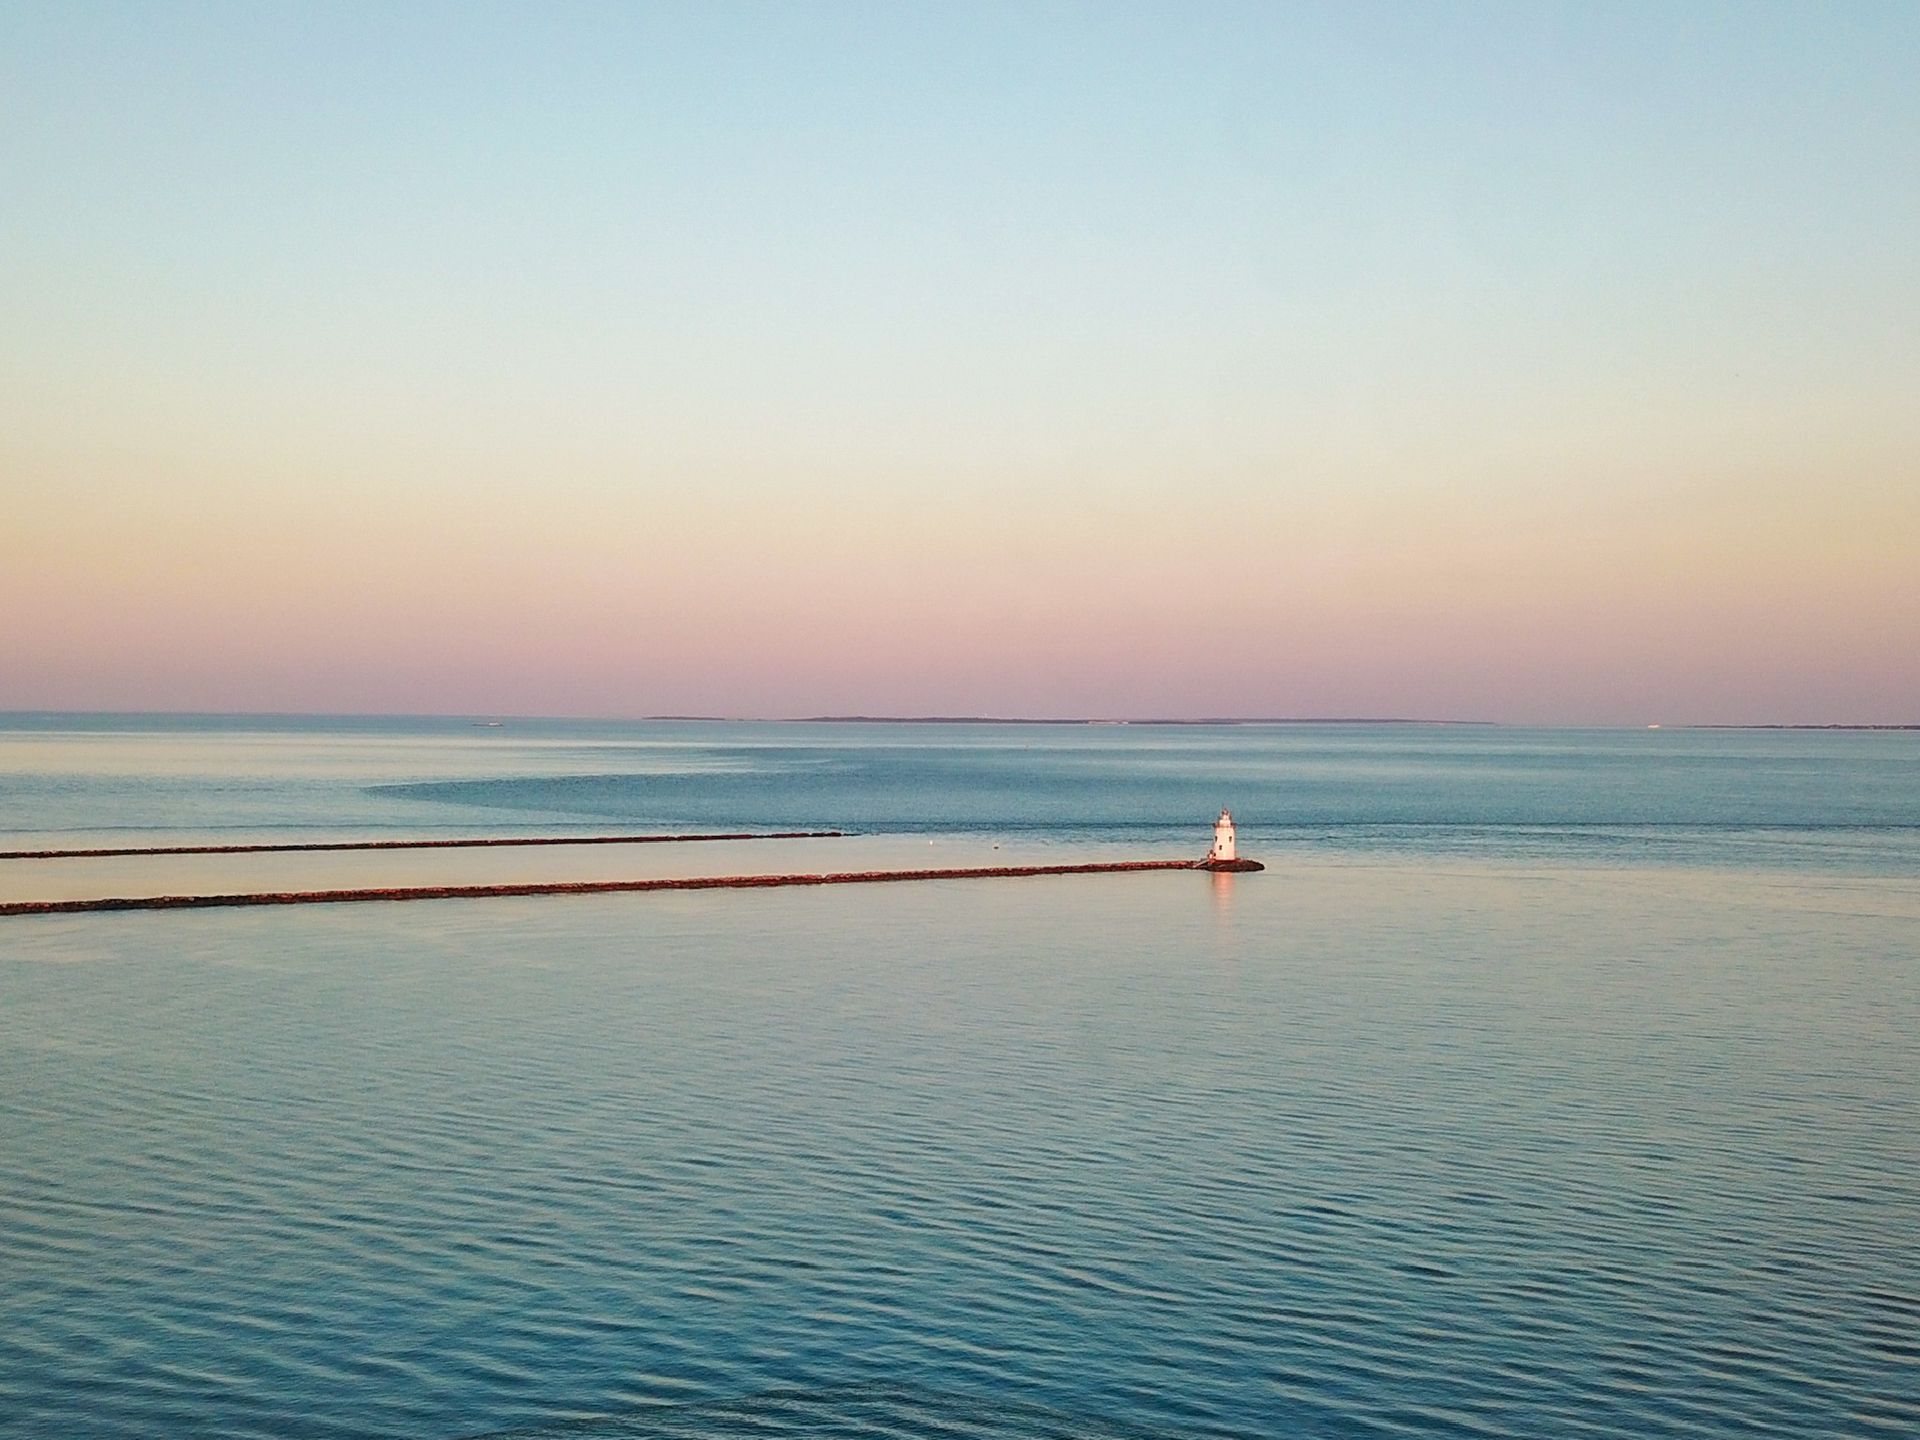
1524,362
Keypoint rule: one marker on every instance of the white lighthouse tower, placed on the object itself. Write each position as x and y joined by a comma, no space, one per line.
1222,840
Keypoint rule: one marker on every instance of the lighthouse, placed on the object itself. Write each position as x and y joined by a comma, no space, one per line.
1222,839
1224,855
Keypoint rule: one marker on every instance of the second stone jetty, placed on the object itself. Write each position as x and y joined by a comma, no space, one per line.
476,843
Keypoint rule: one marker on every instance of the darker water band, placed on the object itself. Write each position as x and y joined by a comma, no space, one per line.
597,887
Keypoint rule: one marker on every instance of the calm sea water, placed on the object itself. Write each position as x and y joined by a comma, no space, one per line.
1548,1083
1793,798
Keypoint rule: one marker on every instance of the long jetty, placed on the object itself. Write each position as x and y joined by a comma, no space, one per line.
596,887
310,847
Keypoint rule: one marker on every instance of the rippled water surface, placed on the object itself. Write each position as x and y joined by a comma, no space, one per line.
1452,1132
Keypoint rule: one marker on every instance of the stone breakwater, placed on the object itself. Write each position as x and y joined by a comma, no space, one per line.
476,844
592,887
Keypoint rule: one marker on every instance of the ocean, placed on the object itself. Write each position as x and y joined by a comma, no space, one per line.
1547,1083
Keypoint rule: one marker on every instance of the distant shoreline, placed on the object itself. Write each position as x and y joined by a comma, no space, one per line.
498,720
1793,727
1070,720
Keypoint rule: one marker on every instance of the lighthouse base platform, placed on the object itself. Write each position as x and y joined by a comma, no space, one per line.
1230,867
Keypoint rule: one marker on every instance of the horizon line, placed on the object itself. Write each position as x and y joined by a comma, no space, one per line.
501,717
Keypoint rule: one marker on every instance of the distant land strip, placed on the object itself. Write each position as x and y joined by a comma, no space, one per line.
1079,720
104,854
1798,727
585,887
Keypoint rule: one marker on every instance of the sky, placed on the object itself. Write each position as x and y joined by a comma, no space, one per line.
1538,363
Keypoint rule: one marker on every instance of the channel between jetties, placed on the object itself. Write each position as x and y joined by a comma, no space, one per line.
605,887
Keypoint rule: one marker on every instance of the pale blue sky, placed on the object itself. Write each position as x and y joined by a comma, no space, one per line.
1367,272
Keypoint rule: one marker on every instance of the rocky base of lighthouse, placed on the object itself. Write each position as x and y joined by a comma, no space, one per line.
1231,867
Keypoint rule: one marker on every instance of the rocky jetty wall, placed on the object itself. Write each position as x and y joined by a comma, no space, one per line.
584,887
